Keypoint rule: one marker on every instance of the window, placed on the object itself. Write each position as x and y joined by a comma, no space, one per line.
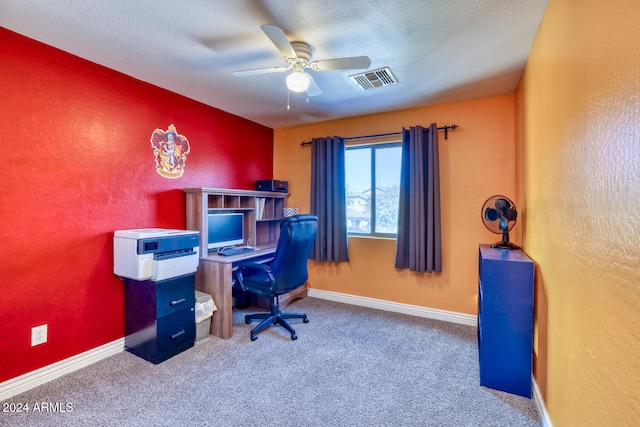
373,189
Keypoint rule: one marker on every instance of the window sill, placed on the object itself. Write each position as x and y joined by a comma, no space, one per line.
364,236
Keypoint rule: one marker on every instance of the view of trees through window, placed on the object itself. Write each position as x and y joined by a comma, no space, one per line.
373,188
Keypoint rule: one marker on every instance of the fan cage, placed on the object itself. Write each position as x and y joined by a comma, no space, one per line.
510,214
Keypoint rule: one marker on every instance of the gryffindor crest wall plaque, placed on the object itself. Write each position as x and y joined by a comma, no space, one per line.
170,150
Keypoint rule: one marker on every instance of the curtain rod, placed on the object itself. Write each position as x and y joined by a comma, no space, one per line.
446,130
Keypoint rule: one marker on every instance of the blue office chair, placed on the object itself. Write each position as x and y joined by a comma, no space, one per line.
286,272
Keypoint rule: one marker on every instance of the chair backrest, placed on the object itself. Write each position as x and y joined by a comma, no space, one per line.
297,234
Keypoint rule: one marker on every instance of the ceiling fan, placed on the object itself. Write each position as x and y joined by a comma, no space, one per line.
298,56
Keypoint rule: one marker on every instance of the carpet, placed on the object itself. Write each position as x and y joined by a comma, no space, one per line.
350,366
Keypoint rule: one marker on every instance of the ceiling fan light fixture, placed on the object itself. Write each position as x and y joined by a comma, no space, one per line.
298,81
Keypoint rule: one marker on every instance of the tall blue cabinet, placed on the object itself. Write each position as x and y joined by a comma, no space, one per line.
505,320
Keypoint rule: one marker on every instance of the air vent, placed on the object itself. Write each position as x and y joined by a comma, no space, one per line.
374,79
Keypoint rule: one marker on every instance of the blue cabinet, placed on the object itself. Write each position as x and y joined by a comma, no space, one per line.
505,320
159,317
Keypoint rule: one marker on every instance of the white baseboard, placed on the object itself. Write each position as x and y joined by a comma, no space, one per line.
40,376
537,397
396,307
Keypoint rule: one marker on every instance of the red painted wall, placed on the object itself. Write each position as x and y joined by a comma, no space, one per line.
76,165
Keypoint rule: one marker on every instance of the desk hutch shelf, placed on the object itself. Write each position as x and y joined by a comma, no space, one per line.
262,212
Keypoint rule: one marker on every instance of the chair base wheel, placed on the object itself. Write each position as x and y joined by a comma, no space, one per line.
275,317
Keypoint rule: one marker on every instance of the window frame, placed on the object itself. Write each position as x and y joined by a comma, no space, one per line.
374,146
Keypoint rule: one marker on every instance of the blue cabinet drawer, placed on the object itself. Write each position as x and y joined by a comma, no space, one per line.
168,336
175,333
175,294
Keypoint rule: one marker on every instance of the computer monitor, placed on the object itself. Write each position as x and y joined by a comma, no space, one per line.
224,229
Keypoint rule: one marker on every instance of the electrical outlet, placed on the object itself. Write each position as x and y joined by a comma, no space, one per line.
38,335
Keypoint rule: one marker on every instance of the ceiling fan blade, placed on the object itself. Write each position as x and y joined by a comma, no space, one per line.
257,71
279,38
351,63
314,89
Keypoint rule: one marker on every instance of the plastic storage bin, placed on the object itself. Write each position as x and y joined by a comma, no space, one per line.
204,308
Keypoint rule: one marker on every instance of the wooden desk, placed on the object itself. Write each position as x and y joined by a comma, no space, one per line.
215,277
262,212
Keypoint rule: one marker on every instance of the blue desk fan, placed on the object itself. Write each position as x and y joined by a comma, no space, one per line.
499,215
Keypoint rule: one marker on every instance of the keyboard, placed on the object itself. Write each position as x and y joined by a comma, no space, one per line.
235,251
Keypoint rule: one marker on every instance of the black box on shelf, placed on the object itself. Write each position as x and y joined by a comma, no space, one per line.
272,185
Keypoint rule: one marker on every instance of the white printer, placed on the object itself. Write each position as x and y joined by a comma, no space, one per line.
155,253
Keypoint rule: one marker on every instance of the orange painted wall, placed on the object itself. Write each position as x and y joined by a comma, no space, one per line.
77,165
578,151
476,162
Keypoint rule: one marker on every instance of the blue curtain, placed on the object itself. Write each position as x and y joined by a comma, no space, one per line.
328,199
418,246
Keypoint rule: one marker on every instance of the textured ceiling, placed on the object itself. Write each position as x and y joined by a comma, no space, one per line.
439,50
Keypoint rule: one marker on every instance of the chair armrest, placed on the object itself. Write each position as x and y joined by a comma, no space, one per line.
254,265
248,266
